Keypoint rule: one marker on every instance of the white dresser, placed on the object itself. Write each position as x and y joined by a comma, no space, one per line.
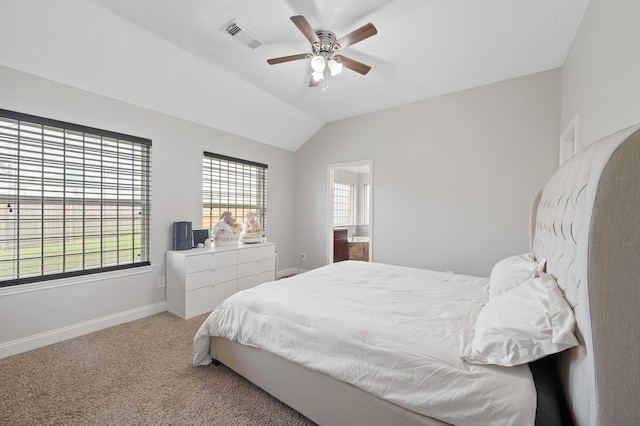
199,279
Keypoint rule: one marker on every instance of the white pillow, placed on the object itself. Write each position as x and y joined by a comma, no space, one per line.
512,271
524,324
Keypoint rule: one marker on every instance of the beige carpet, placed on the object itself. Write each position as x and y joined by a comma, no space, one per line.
138,373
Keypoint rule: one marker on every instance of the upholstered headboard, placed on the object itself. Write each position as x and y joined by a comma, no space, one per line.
586,223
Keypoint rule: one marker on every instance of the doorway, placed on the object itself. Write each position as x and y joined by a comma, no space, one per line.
350,211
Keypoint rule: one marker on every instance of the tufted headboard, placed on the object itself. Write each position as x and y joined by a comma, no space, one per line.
586,223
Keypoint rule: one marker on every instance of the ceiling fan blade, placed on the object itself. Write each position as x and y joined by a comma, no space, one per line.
305,28
281,59
353,65
313,82
355,36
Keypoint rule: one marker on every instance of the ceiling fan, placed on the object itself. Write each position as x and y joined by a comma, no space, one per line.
324,45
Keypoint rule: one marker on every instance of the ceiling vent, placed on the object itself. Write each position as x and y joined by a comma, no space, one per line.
241,33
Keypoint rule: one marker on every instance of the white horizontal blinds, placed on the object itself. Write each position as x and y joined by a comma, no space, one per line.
233,185
75,200
343,211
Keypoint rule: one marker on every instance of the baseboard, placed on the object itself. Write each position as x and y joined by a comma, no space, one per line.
290,271
58,335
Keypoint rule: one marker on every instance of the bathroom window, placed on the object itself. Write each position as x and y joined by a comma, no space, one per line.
75,200
232,185
343,199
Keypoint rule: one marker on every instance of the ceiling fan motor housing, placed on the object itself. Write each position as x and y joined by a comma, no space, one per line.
327,43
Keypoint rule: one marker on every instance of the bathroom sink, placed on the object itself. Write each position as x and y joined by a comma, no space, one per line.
359,239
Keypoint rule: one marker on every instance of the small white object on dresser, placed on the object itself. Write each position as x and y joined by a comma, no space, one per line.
199,279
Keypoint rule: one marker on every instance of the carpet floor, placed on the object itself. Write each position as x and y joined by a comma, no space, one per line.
138,373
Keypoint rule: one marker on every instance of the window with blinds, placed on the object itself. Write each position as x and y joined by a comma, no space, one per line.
74,200
233,185
343,197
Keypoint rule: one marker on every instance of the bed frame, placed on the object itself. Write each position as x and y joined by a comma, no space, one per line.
586,224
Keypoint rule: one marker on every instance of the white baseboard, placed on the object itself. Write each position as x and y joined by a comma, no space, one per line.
290,271
58,335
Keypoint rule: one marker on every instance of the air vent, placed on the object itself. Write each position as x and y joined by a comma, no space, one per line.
241,33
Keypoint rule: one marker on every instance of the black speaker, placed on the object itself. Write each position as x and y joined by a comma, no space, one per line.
199,236
182,235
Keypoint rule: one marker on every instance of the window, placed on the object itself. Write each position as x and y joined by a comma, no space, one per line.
233,185
343,196
74,200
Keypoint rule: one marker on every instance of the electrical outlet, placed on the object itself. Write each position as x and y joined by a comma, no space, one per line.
303,256
160,282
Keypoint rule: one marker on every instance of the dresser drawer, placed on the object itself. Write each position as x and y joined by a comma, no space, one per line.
255,253
205,299
255,267
210,260
254,280
213,275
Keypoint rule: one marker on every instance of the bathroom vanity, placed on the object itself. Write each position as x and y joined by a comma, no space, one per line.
349,248
359,248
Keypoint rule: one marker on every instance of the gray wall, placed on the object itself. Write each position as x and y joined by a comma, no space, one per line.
176,195
453,177
601,75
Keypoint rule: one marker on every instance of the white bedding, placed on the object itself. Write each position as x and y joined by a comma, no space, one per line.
395,332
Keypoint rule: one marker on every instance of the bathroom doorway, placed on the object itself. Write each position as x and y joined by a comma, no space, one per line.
350,211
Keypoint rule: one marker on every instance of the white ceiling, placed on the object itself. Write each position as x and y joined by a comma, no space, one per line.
423,49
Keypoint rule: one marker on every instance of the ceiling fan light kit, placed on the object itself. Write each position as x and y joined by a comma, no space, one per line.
317,63
335,67
325,61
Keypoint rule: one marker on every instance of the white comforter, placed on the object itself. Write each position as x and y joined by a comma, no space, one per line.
395,332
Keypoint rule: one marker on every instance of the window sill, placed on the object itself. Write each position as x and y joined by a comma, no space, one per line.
63,282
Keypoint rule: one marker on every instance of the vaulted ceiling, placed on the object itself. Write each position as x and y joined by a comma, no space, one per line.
423,49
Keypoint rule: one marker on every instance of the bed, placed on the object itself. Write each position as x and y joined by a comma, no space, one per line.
583,264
